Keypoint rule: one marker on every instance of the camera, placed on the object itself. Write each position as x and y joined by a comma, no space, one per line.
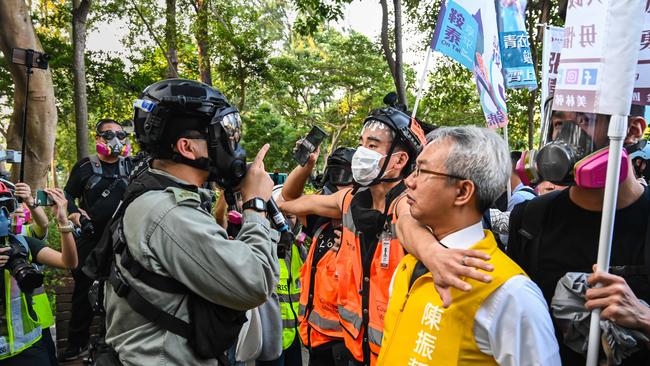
27,277
30,58
11,156
86,225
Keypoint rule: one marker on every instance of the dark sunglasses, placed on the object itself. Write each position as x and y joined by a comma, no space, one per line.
109,135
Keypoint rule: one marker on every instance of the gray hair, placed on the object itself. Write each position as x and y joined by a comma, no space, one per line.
477,154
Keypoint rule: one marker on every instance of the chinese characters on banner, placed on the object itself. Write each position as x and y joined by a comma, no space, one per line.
601,40
517,59
467,32
641,93
552,48
455,34
427,336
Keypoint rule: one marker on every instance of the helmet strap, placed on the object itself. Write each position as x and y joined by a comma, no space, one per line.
202,163
379,178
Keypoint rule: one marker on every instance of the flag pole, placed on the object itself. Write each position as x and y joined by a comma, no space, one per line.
423,77
509,184
616,133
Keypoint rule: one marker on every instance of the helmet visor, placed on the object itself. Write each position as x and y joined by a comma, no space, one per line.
584,132
339,176
232,125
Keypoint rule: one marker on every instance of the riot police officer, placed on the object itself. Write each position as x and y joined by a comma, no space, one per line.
178,288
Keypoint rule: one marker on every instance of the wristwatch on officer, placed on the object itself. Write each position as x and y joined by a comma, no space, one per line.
256,204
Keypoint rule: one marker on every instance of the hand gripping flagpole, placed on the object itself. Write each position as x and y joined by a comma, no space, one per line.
423,77
616,133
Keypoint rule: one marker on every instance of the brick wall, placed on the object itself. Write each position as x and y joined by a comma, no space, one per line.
63,307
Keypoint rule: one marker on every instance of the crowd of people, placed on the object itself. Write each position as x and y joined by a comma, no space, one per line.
423,245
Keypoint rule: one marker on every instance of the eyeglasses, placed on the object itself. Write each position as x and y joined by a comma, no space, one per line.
109,134
419,171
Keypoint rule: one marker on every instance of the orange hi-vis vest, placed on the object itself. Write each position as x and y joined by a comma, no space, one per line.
363,286
419,331
318,313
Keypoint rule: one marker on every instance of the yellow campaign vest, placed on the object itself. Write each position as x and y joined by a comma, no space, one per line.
289,293
419,331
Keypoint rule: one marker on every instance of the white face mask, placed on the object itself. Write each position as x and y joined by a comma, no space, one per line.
365,165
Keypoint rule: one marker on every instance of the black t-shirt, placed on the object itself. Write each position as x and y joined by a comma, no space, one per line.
99,209
569,243
35,246
370,222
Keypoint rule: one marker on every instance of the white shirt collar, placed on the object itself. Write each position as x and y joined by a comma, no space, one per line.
464,238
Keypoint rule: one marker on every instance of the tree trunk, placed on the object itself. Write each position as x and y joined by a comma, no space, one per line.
170,38
16,30
79,16
205,69
399,66
385,41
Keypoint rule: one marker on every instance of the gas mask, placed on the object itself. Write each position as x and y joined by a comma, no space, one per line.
226,160
116,145
570,153
227,156
365,165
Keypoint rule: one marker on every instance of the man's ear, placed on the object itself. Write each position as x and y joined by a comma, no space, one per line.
403,159
635,128
464,192
185,147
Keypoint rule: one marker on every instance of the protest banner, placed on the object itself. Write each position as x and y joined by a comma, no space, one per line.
641,93
551,51
518,68
599,57
467,32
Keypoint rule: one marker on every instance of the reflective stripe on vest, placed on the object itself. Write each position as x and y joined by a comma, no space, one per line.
288,291
318,320
354,278
18,331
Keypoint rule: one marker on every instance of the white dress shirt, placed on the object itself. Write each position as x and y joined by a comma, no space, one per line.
513,324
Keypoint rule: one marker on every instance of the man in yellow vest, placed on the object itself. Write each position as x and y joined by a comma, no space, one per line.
458,175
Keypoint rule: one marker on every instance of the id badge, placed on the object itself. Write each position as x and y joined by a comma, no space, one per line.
385,249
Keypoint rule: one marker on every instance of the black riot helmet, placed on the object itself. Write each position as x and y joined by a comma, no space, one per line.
175,108
338,171
407,132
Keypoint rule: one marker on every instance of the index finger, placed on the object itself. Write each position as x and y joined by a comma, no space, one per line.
259,159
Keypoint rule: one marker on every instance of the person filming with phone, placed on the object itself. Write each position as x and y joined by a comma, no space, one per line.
24,331
98,183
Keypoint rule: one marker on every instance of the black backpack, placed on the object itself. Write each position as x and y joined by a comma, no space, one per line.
212,328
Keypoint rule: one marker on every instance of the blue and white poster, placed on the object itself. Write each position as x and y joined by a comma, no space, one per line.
474,42
518,69
455,34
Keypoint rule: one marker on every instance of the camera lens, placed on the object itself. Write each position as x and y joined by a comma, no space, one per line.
27,277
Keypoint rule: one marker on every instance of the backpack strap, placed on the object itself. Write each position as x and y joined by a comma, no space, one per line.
145,308
98,172
124,168
532,223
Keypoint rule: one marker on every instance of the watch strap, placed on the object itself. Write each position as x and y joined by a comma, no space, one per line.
253,204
